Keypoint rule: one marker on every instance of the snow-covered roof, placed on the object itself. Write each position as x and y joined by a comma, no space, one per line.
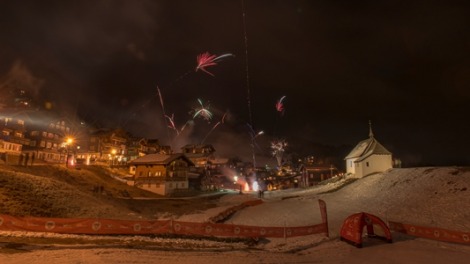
218,161
159,159
367,148
197,155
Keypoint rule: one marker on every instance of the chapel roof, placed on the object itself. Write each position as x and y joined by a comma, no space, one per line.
367,147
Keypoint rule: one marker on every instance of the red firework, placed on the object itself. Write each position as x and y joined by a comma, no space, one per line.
280,104
206,59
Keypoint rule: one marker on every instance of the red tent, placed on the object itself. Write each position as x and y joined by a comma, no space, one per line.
351,230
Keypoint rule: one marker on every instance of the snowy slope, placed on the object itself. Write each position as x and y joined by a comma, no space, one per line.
437,197
424,196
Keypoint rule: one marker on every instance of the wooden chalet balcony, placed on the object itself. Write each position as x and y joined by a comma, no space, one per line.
159,179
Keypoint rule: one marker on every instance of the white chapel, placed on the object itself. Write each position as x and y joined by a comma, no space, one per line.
369,156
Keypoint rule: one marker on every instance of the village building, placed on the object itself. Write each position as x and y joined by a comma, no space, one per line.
108,145
10,153
313,174
199,154
368,157
207,173
161,173
12,137
50,138
138,147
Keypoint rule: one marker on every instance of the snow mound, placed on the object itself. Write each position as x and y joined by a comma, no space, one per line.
430,196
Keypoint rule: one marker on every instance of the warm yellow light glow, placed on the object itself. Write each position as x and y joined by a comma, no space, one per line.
113,151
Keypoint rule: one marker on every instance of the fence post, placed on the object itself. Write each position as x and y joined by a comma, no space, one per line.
324,216
285,232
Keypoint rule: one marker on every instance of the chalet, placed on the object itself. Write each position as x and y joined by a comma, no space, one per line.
10,152
48,134
12,137
200,155
110,145
153,146
161,173
204,159
313,174
369,156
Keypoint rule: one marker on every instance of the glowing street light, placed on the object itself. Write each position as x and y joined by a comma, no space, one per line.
68,142
113,155
253,143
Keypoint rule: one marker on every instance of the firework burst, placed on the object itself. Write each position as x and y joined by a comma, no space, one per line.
280,105
202,111
206,59
278,147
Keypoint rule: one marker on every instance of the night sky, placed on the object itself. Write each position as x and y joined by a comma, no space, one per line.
403,65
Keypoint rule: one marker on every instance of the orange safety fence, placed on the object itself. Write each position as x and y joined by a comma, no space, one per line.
96,226
431,232
230,230
83,225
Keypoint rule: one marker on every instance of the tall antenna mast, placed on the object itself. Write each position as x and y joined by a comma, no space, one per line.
246,63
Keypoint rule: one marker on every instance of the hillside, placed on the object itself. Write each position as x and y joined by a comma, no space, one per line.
55,191
433,196
429,196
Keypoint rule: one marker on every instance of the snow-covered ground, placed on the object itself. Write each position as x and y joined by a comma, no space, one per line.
437,197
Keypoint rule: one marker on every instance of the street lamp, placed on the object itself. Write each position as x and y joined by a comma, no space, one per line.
235,181
68,143
253,143
113,154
